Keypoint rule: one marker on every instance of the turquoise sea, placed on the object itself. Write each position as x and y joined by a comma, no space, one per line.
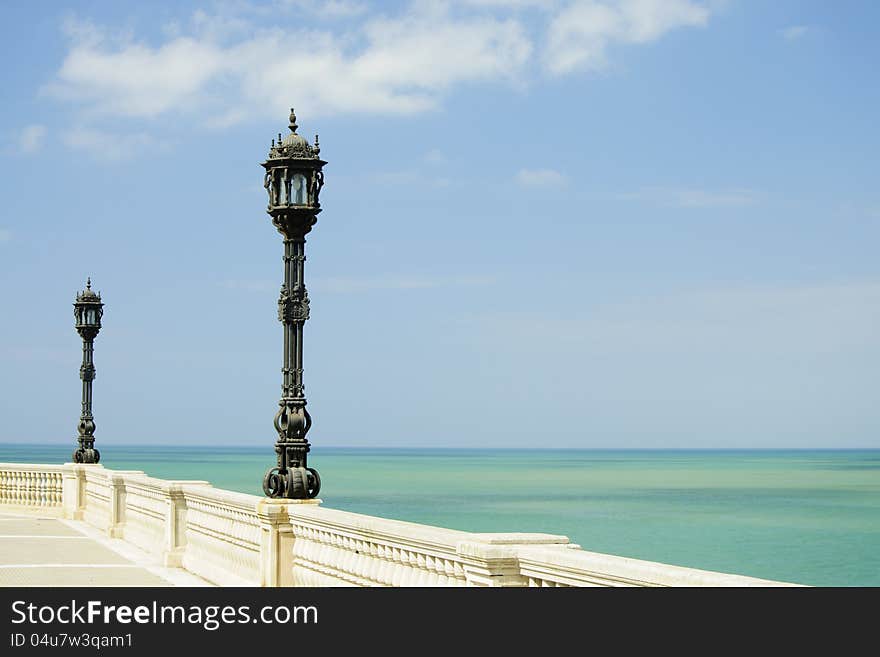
804,516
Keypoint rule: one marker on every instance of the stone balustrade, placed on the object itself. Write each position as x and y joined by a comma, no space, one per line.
37,487
234,539
221,535
338,548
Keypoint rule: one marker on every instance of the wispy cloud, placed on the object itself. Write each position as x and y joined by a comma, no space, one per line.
546,5
759,320
346,285
794,32
395,65
694,198
112,146
329,9
541,178
31,138
435,156
354,57
580,35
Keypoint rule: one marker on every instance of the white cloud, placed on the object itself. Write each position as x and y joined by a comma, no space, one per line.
5,235
110,146
136,80
694,198
252,60
393,65
541,177
82,31
794,32
579,36
31,138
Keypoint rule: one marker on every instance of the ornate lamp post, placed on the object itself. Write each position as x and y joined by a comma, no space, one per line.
88,311
293,181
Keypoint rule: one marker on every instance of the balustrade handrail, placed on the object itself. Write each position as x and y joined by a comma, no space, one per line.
34,467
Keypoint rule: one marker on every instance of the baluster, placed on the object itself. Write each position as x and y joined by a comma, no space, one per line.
348,561
28,488
410,574
388,571
374,562
360,565
397,570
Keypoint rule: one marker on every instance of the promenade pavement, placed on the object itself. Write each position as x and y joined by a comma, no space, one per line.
36,551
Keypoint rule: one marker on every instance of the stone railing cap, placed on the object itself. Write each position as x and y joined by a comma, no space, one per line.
519,538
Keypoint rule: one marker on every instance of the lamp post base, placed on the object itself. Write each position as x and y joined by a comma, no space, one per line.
86,455
292,483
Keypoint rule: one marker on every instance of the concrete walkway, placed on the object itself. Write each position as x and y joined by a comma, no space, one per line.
37,551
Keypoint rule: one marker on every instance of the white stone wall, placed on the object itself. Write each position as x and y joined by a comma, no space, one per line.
233,539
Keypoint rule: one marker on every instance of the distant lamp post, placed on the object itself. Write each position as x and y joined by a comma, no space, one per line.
293,181
88,311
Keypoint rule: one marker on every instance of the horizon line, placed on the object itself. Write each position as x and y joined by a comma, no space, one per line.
469,448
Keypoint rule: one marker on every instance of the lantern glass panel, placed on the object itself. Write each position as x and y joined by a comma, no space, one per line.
298,190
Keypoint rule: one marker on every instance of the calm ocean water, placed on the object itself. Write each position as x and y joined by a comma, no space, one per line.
802,516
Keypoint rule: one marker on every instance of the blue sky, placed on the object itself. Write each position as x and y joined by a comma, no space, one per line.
631,223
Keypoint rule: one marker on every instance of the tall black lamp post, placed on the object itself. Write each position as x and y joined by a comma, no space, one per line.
87,310
293,181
